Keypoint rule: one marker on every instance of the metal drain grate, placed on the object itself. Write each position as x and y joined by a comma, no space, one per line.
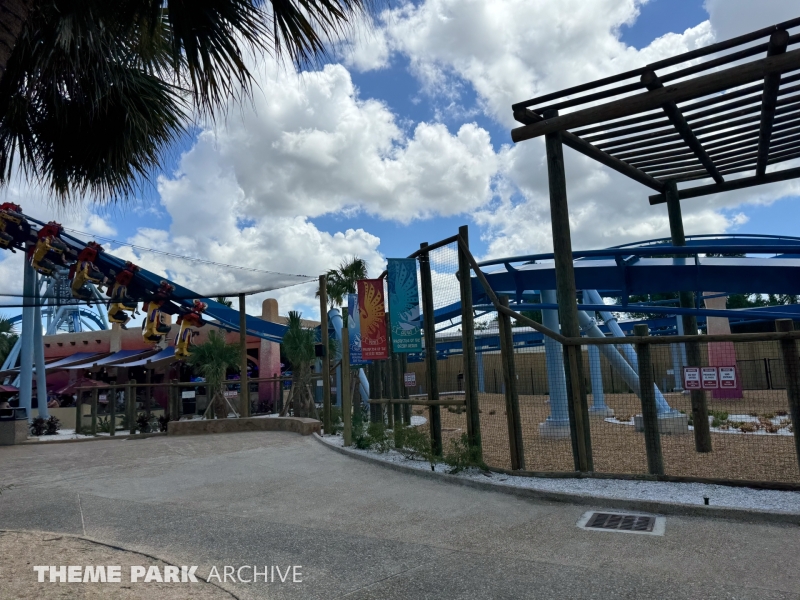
621,522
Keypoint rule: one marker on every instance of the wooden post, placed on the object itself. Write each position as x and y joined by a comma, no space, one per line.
344,393
791,368
702,429
396,388
147,390
512,397
566,292
404,389
112,413
244,387
468,344
647,393
389,375
376,410
95,394
327,424
78,415
429,329
130,397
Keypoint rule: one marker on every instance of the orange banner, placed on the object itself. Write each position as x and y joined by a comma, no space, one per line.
372,312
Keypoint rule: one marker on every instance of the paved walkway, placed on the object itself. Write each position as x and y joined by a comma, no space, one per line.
361,531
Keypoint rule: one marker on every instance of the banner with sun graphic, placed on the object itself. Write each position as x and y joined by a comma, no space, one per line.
373,320
404,311
354,323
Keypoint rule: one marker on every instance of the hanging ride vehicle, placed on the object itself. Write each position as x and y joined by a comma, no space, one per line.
189,323
84,271
14,227
49,250
118,292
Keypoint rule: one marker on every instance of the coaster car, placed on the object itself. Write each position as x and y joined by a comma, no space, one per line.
84,272
14,228
155,326
189,323
118,292
49,250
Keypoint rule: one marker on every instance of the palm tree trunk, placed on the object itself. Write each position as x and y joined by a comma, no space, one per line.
13,15
220,410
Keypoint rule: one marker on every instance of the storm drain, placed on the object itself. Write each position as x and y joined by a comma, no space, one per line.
622,522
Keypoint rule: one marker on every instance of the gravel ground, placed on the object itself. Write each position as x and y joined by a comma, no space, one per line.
662,491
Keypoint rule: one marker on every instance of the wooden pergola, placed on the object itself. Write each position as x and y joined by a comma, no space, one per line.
726,113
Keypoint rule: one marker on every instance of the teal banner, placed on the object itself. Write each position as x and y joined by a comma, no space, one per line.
404,311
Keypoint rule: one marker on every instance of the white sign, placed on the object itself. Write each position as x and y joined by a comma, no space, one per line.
188,394
727,377
410,379
231,394
710,378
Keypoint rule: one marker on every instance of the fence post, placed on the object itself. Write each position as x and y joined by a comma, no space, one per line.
791,367
468,343
376,410
396,389
404,389
429,328
78,415
131,405
327,425
244,386
147,391
512,397
112,413
647,393
95,394
389,384
344,393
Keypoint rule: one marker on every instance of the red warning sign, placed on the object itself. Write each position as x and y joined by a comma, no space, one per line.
710,378
691,378
727,377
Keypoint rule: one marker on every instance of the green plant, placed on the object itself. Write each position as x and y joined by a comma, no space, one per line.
163,423
52,425
461,455
143,423
212,359
336,419
38,426
378,438
416,444
103,425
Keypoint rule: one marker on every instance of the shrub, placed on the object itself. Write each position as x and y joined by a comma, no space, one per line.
415,443
463,456
38,426
378,438
103,425
163,423
52,426
748,427
143,423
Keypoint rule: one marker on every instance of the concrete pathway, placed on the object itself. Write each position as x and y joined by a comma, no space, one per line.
361,531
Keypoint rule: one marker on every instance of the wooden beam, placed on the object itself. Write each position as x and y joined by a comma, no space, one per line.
670,108
679,92
587,149
736,184
772,83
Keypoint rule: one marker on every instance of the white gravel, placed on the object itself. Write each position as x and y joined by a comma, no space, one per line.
660,491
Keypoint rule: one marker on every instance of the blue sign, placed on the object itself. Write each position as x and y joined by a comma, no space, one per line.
354,327
404,310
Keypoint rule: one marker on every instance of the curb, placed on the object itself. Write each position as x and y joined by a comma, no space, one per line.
138,436
649,506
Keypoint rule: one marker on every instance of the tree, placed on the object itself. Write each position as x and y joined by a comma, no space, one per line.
224,300
342,281
212,359
8,337
298,346
93,92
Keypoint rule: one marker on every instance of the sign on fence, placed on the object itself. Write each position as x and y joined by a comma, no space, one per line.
188,394
404,310
727,377
410,379
691,378
710,377
373,320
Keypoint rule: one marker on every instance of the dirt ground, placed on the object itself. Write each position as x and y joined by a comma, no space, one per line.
20,551
619,449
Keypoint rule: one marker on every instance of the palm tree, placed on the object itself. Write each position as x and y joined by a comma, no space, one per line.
8,337
212,359
93,92
342,281
298,346
224,300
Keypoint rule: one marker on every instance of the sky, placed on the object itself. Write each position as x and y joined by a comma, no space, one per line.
403,135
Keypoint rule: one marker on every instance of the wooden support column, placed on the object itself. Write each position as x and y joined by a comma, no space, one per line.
567,307
702,430
78,415
397,382
347,398
147,391
326,364
778,42
112,411
389,375
468,343
429,329
791,368
512,396
95,394
647,394
404,389
130,397
376,410
244,386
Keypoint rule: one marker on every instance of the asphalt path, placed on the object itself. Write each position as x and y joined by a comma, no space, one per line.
356,530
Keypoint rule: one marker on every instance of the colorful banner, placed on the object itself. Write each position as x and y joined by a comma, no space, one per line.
373,320
354,326
404,311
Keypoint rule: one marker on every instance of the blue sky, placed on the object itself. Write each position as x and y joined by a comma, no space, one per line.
406,136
